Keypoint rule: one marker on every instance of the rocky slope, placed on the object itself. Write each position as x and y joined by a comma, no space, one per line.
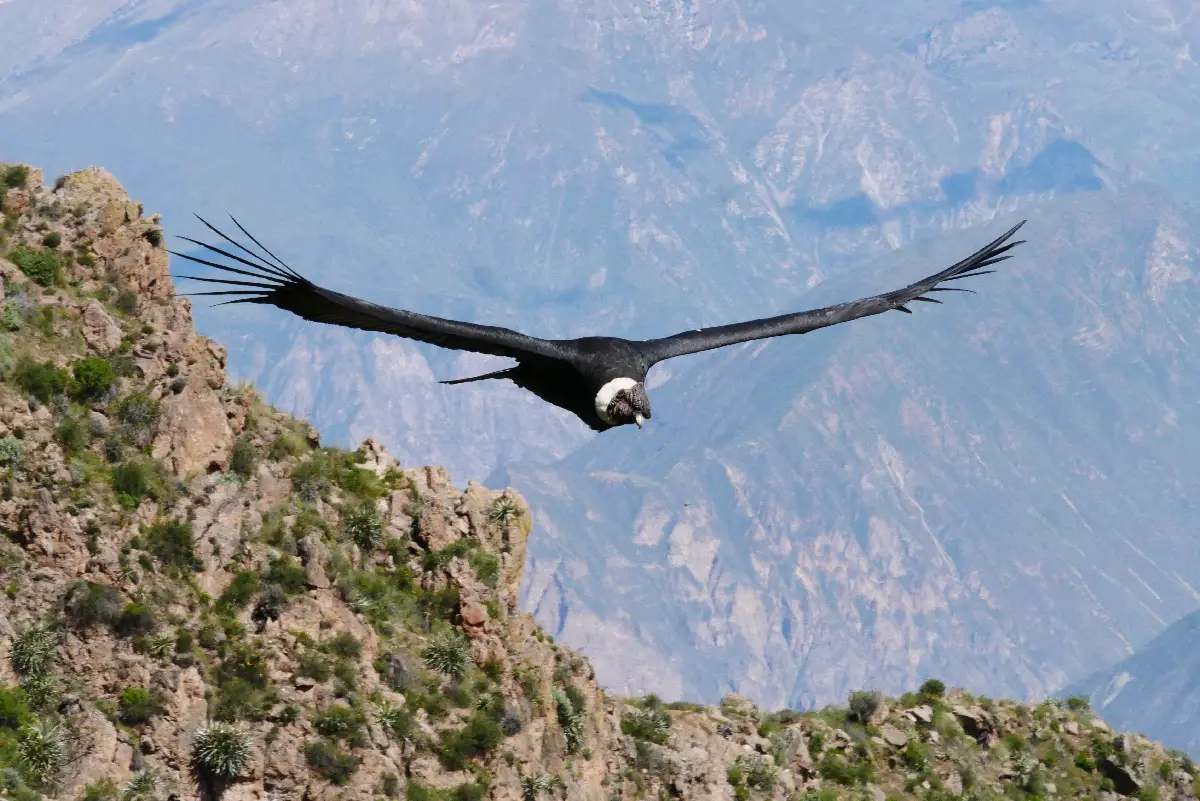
202,601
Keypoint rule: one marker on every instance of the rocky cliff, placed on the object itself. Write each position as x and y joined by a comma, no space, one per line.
202,601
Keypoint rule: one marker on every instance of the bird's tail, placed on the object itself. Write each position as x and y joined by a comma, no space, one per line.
505,373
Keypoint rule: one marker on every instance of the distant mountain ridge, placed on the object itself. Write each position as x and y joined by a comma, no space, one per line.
1156,689
641,168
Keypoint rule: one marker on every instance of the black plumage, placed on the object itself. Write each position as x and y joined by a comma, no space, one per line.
599,379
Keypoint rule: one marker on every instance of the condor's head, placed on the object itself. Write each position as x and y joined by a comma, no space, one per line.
623,401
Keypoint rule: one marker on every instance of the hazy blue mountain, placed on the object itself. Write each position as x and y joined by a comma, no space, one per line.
998,491
1157,690
639,168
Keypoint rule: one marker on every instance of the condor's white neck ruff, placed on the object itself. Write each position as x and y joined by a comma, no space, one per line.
607,393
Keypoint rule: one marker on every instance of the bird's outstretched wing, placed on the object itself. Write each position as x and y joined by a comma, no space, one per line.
276,284
656,350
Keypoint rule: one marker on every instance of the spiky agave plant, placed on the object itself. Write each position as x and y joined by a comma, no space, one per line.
533,786
504,510
42,753
41,690
161,645
448,653
221,750
396,721
34,649
364,527
141,786
570,719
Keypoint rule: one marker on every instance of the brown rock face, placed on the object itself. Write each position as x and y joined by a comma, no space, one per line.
193,431
100,330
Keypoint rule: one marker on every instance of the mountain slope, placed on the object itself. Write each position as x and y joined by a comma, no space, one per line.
992,490
580,167
1155,688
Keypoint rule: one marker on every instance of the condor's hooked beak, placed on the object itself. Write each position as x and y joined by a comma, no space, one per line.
637,418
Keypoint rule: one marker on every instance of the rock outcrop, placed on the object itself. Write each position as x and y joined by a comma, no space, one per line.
201,601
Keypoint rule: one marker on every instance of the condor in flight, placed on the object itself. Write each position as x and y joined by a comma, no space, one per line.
601,380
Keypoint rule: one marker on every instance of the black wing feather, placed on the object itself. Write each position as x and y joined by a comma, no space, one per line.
277,284
703,339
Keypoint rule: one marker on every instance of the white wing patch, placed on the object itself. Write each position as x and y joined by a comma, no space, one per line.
606,394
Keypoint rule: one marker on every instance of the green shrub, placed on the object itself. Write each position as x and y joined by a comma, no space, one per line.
173,542
87,604
138,705
135,618
646,724
449,653
836,768
240,590
41,380
864,704
330,762
52,240
287,573
72,435
137,479
93,377
14,710
220,750
486,567
12,451
341,722
101,790
42,691
285,445
363,484
12,318
238,699
44,267
932,688
15,176
138,414
343,645
480,734
1078,703
314,666
244,457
